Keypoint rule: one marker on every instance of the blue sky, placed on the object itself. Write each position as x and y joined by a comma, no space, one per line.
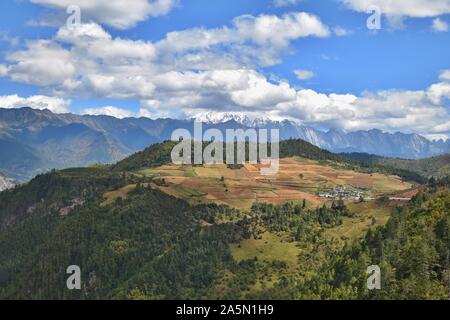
310,61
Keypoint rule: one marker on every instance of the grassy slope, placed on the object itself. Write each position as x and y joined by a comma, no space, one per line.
368,215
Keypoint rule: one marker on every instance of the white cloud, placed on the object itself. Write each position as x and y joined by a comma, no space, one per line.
444,127
120,14
87,61
84,32
11,40
407,8
270,29
108,111
43,63
304,74
219,90
3,70
440,25
445,75
250,40
259,92
285,3
99,44
438,91
392,110
341,32
56,105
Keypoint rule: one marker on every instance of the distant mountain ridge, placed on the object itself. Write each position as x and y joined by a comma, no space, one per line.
437,167
394,145
33,141
377,142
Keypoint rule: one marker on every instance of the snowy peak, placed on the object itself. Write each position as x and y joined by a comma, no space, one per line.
375,141
5,182
245,119
221,117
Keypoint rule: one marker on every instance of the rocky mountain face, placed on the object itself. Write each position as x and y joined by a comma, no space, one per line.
397,145
377,142
33,141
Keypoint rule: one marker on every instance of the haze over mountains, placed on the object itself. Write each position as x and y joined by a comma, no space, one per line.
33,141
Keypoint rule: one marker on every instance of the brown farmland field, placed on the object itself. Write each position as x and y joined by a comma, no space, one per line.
297,179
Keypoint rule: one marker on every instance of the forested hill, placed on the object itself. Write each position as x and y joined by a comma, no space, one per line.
437,167
149,245
160,154
412,251
153,156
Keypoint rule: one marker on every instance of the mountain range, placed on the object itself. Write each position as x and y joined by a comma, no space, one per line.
33,141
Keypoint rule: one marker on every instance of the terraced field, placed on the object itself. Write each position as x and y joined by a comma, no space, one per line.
297,179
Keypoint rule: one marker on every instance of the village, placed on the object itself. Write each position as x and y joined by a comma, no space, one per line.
342,193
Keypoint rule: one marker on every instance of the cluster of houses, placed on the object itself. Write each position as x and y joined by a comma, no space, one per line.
342,193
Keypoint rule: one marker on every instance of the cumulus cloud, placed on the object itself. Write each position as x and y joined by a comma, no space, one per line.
218,90
304,74
120,14
43,63
88,61
93,39
420,111
109,111
250,40
406,8
439,91
85,61
440,25
278,31
54,104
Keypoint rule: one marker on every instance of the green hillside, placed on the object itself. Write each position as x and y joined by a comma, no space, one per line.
150,245
437,167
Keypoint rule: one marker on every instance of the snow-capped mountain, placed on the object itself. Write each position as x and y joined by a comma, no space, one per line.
410,146
5,182
221,117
